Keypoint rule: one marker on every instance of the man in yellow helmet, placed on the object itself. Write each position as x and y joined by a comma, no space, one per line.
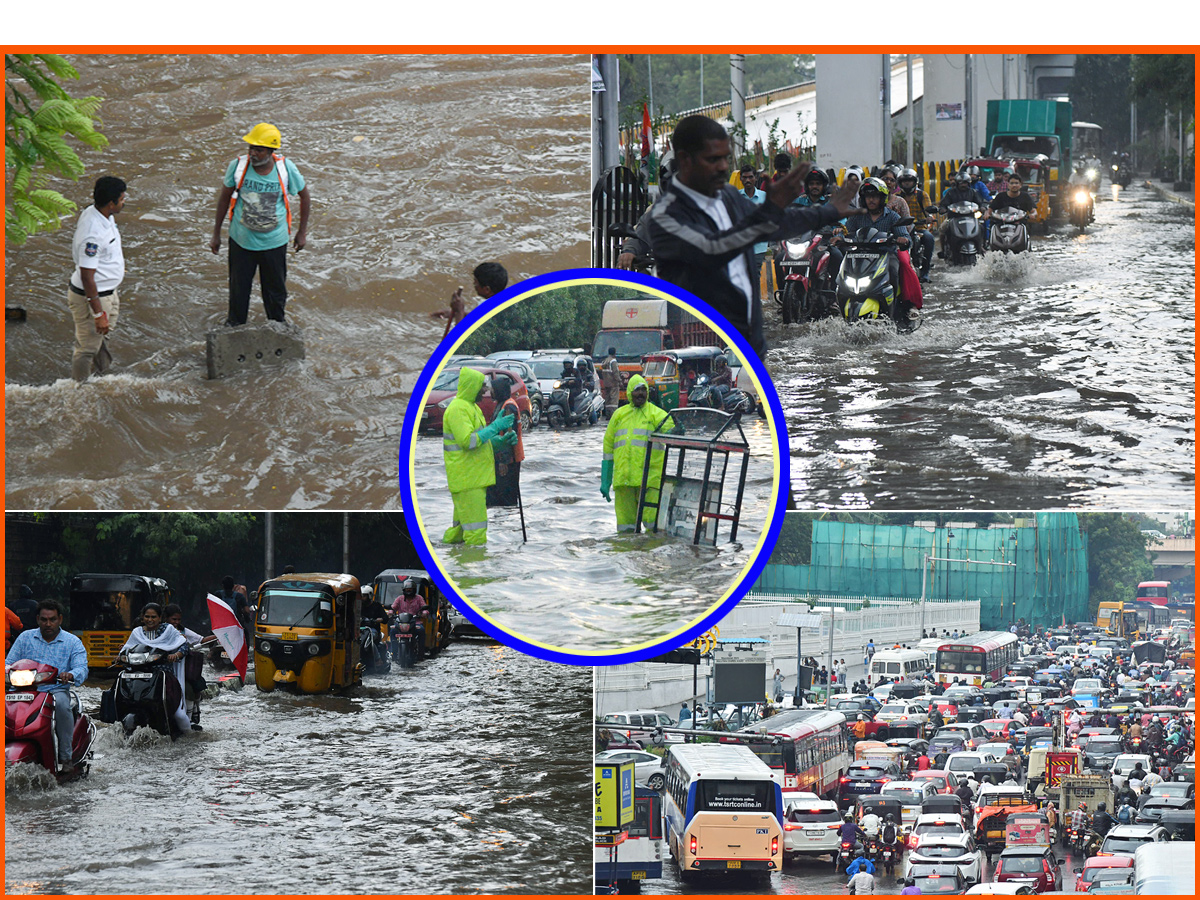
467,441
626,441
260,221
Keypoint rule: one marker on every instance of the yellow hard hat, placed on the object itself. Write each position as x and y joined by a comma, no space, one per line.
264,134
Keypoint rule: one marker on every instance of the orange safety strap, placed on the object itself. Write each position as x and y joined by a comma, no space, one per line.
282,187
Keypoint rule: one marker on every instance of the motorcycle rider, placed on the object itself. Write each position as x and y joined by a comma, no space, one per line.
156,633
871,824
411,602
918,202
873,195
1102,822
960,192
890,834
860,864
49,644
721,379
373,612
571,381
1079,819
849,831
978,183
910,886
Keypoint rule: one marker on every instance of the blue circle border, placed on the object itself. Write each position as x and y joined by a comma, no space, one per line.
412,417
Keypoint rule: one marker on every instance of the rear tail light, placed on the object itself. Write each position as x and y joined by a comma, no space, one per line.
790,826
774,846
843,780
692,845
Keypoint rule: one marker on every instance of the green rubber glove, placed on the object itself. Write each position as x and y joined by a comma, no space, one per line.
606,476
487,432
508,439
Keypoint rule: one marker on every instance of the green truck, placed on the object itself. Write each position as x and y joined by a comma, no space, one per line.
1026,129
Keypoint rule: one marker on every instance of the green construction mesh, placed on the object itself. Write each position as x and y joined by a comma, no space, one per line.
1048,582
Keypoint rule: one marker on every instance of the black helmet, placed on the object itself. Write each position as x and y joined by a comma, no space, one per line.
815,174
409,588
1101,806
889,818
568,363
910,881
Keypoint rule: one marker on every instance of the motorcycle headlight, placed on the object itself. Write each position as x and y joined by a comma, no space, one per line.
556,385
1091,173
796,249
1081,196
22,677
1114,168
978,214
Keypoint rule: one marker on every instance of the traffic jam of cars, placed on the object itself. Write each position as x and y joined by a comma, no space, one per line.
1010,762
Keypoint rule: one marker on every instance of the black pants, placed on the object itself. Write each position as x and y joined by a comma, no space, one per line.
272,275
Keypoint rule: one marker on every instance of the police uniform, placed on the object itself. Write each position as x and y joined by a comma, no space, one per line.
97,245
470,462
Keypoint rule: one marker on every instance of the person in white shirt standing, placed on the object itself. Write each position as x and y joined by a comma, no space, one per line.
99,271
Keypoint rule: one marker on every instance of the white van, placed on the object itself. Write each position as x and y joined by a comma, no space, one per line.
899,665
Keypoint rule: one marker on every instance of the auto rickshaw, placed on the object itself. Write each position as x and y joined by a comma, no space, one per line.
105,607
306,633
1029,828
671,374
389,584
943,804
991,827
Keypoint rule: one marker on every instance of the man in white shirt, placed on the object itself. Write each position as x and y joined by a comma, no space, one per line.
99,271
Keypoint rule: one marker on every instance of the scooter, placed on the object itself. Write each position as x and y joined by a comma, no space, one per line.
964,233
29,735
1081,209
807,293
735,400
891,853
588,406
408,639
865,292
1009,233
146,692
845,854
375,657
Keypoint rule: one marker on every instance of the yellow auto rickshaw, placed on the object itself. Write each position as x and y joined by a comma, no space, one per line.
306,633
389,584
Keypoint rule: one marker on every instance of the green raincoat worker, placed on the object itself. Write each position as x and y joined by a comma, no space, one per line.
467,441
625,443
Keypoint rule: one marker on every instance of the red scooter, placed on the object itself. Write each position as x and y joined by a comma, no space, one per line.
29,734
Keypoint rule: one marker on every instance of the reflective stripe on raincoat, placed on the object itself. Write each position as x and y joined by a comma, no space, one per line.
469,461
627,438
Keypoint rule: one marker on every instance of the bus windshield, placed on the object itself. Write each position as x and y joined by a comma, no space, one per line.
959,661
296,609
771,754
732,796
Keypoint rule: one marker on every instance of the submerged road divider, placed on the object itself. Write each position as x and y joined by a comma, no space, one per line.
244,348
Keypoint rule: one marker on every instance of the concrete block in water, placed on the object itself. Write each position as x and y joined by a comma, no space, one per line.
247,348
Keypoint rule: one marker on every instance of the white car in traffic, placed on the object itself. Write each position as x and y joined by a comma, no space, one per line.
648,768
901,711
810,827
948,850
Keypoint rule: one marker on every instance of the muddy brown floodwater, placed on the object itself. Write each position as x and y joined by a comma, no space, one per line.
419,167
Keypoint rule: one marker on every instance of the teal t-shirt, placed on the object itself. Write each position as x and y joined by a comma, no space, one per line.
260,216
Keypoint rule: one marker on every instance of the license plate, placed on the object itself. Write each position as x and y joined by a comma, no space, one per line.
733,863
139,676
639,875
19,698
288,636
795,263
815,834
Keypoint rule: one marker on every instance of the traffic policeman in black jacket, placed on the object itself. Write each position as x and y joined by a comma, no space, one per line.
702,230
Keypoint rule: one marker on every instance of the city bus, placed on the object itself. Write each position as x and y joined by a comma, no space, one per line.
1086,138
808,747
1157,592
722,810
976,658
639,857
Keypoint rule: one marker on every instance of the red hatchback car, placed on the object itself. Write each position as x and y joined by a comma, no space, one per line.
445,388
1030,864
946,782
1102,868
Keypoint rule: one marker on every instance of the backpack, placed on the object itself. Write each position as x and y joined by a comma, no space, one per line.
1125,814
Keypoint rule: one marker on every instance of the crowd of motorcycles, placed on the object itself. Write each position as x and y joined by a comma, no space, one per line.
146,692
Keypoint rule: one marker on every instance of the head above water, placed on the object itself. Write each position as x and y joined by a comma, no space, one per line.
108,194
490,278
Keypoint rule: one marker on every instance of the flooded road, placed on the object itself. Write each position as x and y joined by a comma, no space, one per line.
419,167
636,587
466,774
1064,380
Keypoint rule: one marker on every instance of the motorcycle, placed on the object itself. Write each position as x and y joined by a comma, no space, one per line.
964,234
408,641
1121,175
588,406
845,854
1009,233
872,850
808,292
1090,843
1081,208
29,735
372,653
864,287
146,692
891,853
705,394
